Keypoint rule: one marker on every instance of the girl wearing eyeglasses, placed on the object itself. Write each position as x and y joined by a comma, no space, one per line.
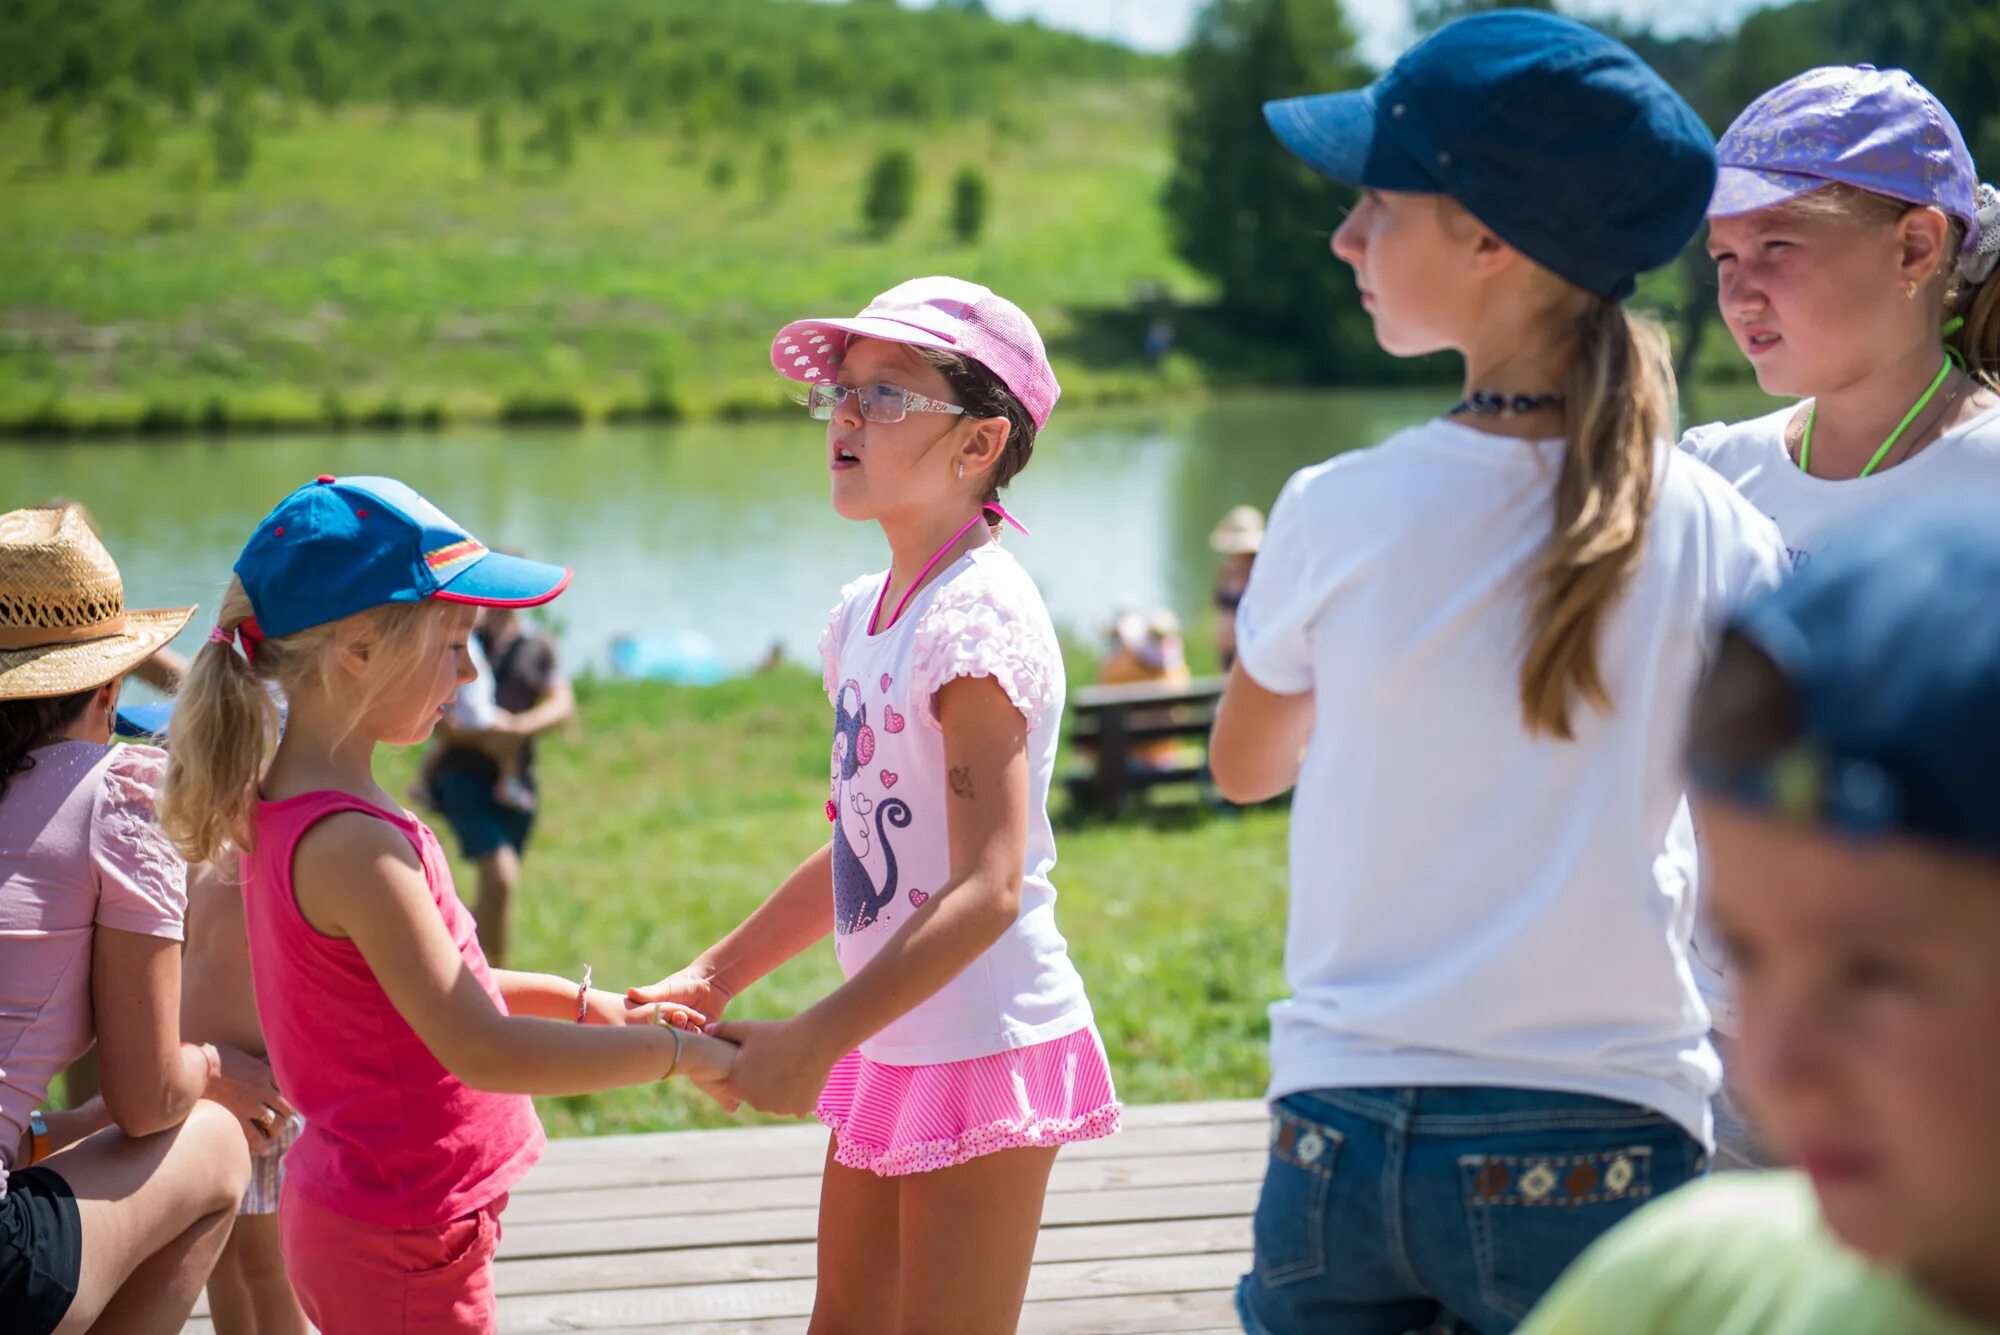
961,1052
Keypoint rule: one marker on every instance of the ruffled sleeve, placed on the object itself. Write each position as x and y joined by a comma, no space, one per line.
835,634
986,627
142,882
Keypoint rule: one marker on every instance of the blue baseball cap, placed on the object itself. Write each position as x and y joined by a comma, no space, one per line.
1890,640
1561,140
143,722
338,546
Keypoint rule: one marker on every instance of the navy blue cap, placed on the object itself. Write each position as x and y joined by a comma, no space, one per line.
339,546
1561,140
1890,639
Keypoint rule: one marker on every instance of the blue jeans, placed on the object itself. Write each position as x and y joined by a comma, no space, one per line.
1386,1211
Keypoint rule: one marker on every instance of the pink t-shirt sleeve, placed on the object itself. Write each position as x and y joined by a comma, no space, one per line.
985,628
141,880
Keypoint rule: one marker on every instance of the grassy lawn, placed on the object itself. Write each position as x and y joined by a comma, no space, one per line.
670,813
369,266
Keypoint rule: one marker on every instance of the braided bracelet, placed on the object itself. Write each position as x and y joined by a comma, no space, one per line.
675,1030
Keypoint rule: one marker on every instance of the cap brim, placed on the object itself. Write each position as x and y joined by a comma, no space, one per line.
1340,136
499,580
1740,190
810,350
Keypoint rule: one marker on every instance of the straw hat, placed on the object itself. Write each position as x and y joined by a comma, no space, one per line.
64,627
1240,533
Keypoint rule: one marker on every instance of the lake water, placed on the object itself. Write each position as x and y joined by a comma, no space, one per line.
727,529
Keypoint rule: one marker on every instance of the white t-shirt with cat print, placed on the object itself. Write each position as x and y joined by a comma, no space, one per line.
981,617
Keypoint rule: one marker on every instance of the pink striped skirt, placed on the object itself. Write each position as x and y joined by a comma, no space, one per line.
892,1120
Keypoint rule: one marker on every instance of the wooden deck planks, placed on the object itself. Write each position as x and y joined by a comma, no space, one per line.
706,1232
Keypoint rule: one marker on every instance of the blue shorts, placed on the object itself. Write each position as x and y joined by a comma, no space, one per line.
1446,1208
41,1250
482,825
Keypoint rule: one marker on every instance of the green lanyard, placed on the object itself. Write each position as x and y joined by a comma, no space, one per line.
1951,358
1805,444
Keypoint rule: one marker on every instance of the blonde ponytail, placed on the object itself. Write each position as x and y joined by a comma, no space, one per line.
1620,403
224,726
225,723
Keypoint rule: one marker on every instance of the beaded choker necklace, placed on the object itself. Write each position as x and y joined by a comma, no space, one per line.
1487,403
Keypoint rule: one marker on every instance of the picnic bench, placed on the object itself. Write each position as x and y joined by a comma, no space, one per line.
1113,724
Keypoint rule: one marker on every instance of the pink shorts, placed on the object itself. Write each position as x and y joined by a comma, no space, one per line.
357,1277
892,1120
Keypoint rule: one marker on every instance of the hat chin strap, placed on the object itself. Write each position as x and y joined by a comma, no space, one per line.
42,637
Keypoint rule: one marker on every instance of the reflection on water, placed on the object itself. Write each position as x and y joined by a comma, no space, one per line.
727,529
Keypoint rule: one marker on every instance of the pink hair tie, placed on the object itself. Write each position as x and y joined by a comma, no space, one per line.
247,635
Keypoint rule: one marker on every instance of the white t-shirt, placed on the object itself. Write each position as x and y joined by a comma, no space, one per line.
1751,456
982,617
476,705
1472,904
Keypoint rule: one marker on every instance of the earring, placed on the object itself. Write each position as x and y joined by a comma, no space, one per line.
961,470
1912,293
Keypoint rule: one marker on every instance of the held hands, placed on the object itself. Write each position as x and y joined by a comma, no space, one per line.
780,1066
603,1007
693,991
707,1061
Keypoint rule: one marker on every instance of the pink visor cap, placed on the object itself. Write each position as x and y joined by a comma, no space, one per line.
946,313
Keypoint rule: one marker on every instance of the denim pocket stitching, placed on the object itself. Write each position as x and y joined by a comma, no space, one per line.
1297,1151
1312,1147
1482,1207
1603,1163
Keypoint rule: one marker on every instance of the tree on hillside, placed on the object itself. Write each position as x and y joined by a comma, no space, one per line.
232,134
56,136
1244,210
969,194
774,175
128,131
492,144
317,73
892,190
556,140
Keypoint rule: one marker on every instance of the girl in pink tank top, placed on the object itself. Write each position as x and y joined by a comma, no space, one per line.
410,1059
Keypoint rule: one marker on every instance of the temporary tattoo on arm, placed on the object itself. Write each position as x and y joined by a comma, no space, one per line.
961,782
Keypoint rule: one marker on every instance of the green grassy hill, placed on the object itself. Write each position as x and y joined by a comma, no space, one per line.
369,263
410,242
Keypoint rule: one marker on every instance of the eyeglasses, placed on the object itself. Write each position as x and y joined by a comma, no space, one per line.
878,403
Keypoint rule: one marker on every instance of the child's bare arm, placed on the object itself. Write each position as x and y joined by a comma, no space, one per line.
1259,739
794,918
358,878
550,996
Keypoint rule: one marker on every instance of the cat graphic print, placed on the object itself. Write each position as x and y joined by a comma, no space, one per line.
862,823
